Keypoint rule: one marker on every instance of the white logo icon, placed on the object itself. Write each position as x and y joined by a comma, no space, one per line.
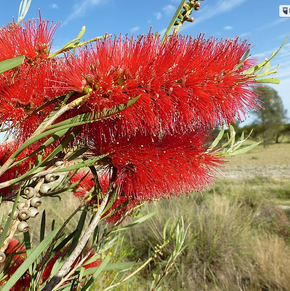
284,10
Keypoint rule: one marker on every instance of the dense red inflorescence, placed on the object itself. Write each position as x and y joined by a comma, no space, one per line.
157,146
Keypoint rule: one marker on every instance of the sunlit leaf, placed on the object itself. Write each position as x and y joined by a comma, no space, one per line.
11,64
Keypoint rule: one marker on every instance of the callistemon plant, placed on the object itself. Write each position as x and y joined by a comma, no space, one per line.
116,122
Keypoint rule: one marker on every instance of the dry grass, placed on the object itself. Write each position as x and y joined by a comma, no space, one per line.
276,154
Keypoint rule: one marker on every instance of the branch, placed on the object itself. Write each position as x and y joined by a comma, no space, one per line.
56,280
42,128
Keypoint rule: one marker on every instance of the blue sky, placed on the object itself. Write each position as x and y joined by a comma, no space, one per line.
257,21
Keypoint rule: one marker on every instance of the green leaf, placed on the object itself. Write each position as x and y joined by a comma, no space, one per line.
263,64
269,80
23,9
165,229
97,273
42,226
79,230
62,244
78,120
173,20
77,153
29,261
9,221
9,64
56,136
217,139
242,150
136,222
109,267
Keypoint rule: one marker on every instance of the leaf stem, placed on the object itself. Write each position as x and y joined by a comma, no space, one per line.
81,244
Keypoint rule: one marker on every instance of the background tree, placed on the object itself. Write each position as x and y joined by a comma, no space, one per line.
271,117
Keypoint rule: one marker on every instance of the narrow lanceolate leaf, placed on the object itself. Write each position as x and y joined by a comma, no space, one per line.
93,116
79,165
97,273
79,120
23,9
29,261
173,20
109,267
242,150
49,141
217,139
42,226
268,80
9,221
136,222
11,64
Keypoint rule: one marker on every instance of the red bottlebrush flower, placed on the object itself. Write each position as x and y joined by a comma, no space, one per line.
120,206
61,255
18,254
32,39
23,98
85,185
146,168
182,83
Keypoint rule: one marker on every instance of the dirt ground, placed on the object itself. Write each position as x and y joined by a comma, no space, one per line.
272,162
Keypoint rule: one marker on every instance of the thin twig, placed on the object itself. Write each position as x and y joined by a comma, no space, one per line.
58,235
41,129
81,244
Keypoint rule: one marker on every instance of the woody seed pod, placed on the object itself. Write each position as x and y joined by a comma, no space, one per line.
21,205
23,226
28,192
2,257
15,213
23,214
50,178
44,189
58,163
33,212
35,202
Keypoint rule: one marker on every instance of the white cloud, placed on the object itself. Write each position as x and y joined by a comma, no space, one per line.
54,6
210,11
80,9
228,27
134,29
266,26
168,10
157,15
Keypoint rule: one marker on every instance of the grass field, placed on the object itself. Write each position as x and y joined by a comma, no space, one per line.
242,226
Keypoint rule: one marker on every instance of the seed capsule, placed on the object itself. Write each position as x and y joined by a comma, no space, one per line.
59,163
15,213
21,205
35,202
2,257
50,178
28,192
23,214
44,189
33,212
23,226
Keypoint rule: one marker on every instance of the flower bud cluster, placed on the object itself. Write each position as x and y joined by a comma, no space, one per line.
187,10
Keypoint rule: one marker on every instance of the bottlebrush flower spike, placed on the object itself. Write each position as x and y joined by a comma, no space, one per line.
18,254
120,206
23,91
32,39
146,168
182,83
